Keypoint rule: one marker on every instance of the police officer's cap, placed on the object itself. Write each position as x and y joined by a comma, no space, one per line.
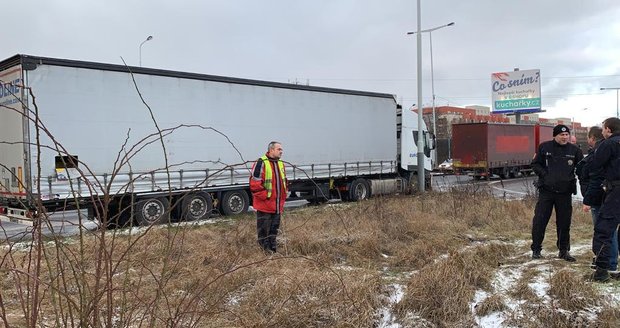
560,128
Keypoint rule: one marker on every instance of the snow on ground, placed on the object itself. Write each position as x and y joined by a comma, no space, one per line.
508,276
506,279
142,229
388,319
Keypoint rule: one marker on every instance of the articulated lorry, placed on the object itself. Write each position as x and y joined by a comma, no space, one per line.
149,145
485,149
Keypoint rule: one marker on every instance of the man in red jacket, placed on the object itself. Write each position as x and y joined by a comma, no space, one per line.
268,187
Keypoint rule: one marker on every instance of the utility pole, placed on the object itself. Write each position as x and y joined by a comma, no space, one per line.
517,114
421,171
430,37
617,99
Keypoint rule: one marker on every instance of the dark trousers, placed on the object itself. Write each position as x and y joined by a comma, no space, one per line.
596,238
563,213
267,225
604,229
601,241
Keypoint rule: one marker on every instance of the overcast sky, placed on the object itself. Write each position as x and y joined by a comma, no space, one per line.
350,44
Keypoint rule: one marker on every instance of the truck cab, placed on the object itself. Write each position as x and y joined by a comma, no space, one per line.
407,135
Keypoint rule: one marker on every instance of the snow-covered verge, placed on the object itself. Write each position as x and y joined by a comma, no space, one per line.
522,295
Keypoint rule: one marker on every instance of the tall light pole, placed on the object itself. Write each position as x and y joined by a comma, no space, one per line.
149,38
421,171
617,98
573,121
430,35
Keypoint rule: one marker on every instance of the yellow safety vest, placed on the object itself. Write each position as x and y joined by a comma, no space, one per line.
269,175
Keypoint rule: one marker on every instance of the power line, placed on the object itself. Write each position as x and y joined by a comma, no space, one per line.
543,95
544,77
445,79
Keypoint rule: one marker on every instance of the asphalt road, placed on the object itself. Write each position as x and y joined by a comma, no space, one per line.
60,223
508,188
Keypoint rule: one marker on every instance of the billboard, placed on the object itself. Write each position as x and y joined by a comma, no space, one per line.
516,91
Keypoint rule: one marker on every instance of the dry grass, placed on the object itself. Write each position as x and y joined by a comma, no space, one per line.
330,270
608,317
442,292
493,303
570,292
522,290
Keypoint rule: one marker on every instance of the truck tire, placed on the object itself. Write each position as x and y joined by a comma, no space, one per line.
359,190
514,172
154,210
504,172
196,206
234,202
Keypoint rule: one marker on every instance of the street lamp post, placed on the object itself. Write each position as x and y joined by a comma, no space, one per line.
420,154
617,98
149,38
430,36
573,121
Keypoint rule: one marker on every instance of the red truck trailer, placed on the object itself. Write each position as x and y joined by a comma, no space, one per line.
484,149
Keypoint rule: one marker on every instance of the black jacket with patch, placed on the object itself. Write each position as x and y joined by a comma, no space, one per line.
555,166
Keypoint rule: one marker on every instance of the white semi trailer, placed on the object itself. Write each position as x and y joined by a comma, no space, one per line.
152,144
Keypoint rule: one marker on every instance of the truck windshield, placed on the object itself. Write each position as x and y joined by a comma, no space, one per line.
427,142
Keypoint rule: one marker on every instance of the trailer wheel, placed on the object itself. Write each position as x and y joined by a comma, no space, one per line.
152,211
234,202
196,206
514,172
504,173
359,190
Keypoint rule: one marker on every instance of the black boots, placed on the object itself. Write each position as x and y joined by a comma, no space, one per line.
600,275
566,256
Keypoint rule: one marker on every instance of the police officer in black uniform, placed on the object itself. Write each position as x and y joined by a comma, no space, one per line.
554,163
607,159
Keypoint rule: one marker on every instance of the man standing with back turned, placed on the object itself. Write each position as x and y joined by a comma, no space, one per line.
554,163
607,160
268,187
593,193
